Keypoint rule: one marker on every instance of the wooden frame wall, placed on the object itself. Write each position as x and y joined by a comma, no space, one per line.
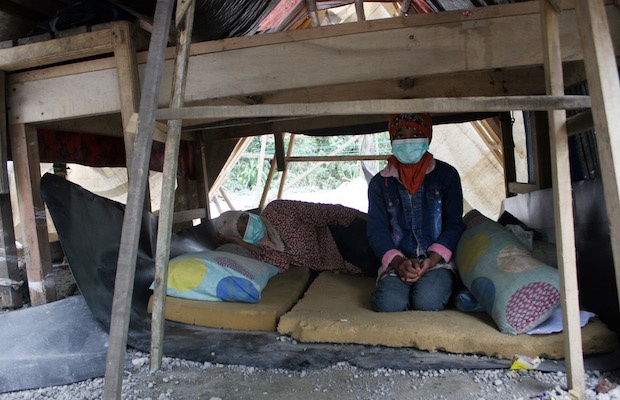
461,49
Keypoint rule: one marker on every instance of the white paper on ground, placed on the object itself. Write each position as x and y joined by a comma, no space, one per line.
553,324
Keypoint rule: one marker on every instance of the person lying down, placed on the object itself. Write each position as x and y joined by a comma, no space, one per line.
321,237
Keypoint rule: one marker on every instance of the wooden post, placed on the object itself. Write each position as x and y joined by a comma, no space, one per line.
404,8
604,87
10,296
130,236
171,161
359,10
510,172
25,152
289,151
259,165
128,87
563,209
272,170
311,5
202,177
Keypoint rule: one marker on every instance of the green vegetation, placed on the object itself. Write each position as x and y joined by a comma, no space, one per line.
326,176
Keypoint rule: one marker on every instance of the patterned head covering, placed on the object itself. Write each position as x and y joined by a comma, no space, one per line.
226,224
421,122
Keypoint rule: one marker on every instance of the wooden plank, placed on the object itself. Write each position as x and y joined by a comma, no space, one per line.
128,80
55,51
171,161
202,175
25,152
188,215
432,105
434,49
604,87
563,205
129,88
518,187
508,144
10,296
130,234
279,143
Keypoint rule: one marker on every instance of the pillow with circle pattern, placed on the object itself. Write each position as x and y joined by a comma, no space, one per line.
218,276
516,290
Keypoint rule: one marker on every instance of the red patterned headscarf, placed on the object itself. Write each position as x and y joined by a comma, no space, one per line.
421,122
412,175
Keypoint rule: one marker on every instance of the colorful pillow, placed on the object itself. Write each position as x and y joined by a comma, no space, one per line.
516,290
218,276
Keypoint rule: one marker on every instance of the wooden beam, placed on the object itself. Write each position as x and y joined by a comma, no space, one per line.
563,205
426,45
185,21
433,105
10,295
130,234
284,163
359,10
604,87
129,88
510,172
25,152
314,16
55,51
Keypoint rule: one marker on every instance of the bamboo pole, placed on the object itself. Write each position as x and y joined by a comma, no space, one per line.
259,169
171,161
272,170
130,234
563,208
604,87
289,151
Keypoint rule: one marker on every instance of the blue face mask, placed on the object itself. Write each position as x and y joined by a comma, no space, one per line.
409,151
255,230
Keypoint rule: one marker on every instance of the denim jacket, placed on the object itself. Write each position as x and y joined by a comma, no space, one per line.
414,224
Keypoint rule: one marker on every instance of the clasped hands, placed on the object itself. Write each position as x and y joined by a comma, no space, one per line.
411,270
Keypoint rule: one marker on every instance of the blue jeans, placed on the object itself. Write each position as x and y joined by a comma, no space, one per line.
430,293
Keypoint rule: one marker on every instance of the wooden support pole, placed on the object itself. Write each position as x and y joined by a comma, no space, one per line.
278,138
128,87
202,176
359,10
25,152
314,16
272,170
604,87
10,296
171,161
563,209
130,235
510,171
404,8
260,165
289,151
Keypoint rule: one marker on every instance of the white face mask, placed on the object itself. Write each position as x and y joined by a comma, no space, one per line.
409,151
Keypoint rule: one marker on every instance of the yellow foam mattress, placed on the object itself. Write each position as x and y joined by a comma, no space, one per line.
280,294
336,309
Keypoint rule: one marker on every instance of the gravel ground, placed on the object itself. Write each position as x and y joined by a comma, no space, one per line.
181,379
